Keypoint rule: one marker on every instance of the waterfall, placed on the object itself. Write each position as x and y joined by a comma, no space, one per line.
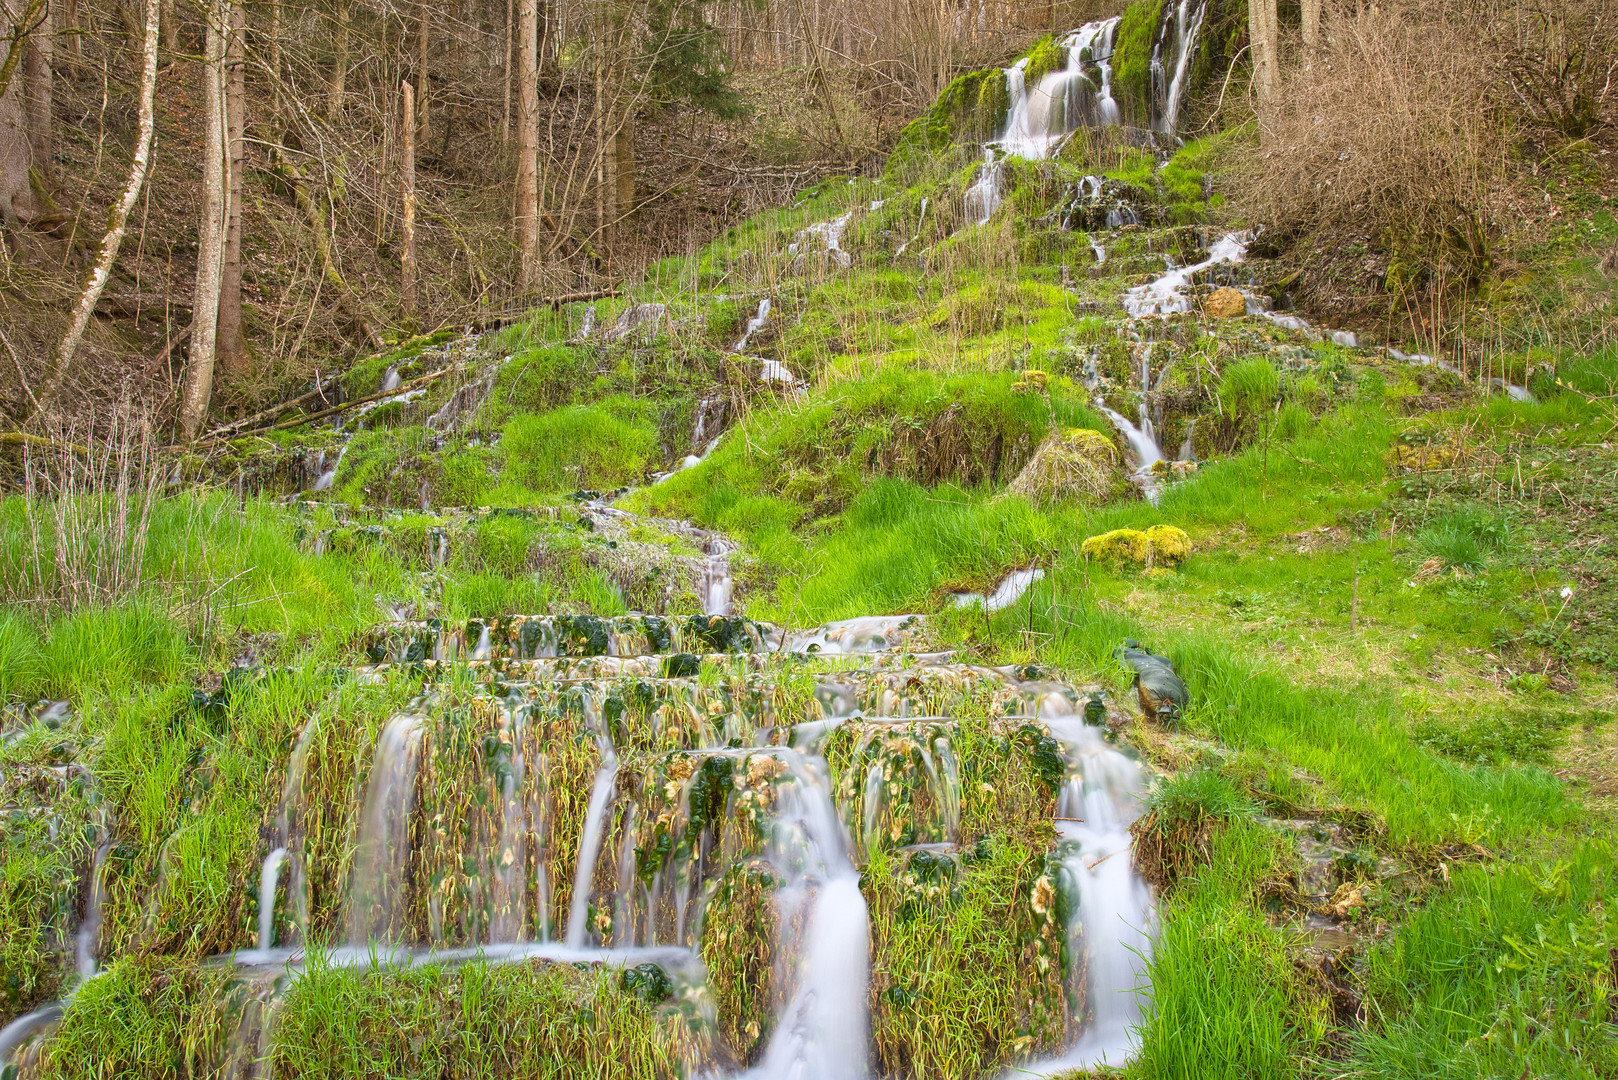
390,379
1187,24
983,197
1188,450
753,326
376,885
717,581
328,476
1115,914
1166,294
87,941
15,1034
1064,100
266,898
590,845
821,1031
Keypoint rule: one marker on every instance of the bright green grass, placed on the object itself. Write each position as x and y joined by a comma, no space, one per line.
1506,974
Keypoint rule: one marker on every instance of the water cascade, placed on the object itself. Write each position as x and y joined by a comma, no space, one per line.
1099,801
590,844
1166,295
821,1031
1185,25
754,325
1079,94
983,197
377,884
1008,592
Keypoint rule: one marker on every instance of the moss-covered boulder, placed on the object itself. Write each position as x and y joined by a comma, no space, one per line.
1121,547
1170,546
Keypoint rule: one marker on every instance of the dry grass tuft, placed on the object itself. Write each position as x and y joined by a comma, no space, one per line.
1079,465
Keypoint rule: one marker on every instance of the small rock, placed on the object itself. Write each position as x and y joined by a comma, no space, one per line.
1225,303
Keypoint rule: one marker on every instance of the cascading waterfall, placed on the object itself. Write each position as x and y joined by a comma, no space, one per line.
1041,116
377,884
1117,919
1166,295
87,941
983,197
1186,25
821,1030
590,844
754,324
718,583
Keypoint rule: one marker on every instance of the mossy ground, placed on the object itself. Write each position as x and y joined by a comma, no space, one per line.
1397,618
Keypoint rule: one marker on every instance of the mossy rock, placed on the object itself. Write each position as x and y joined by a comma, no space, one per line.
1079,464
1119,548
1170,546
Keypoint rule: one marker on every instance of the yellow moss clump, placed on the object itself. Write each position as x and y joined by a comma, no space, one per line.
1170,546
1119,546
1078,464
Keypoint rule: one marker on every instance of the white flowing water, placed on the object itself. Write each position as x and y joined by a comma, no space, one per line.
390,379
754,324
15,1034
1166,295
87,941
830,234
1144,444
1188,16
376,886
983,197
590,845
1064,100
266,897
821,1032
1008,592
1116,918
717,581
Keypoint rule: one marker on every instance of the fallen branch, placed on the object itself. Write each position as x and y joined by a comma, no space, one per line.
309,418
39,442
247,422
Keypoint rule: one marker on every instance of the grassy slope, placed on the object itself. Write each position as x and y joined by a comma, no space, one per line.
1363,642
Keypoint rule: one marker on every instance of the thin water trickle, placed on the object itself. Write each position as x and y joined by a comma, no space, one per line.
266,897
1008,592
590,845
376,885
87,941
754,325
983,197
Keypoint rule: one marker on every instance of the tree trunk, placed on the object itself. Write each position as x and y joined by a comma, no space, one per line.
117,220
197,387
171,28
70,34
423,28
407,191
606,191
231,349
1259,23
528,139
339,66
273,49
37,77
1311,30
505,113
624,165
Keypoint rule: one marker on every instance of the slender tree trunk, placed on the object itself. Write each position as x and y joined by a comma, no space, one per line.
1260,24
423,28
171,28
505,112
197,387
528,139
606,190
231,349
1311,31
623,165
337,85
117,220
273,58
70,35
407,192
37,79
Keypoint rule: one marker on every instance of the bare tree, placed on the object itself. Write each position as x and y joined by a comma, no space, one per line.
37,75
423,30
231,348
94,284
337,84
197,386
528,139
407,192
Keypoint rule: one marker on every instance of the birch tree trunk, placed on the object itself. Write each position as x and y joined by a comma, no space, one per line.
528,139
407,191
197,387
231,350
117,220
